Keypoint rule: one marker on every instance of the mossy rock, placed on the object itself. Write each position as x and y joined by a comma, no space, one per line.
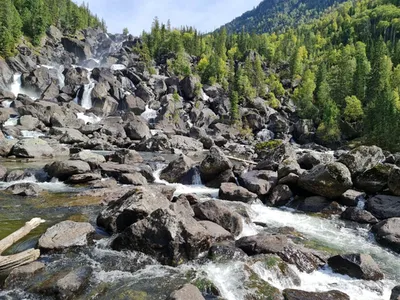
270,145
258,289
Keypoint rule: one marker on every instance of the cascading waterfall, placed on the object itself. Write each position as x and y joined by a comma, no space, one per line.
86,101
149,115
61,77
16,84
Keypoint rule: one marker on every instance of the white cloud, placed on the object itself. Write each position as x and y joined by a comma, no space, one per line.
137,15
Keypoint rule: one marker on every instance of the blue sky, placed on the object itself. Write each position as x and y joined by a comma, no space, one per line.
137,15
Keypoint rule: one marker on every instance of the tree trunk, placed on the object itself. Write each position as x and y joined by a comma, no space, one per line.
7,263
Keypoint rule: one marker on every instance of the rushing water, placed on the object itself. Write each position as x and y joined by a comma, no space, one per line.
149,114
136,271
86,101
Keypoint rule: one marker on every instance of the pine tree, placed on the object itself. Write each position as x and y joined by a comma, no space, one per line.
304,96
363,68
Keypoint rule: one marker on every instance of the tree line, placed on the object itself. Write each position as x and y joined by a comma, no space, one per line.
345,67
31,18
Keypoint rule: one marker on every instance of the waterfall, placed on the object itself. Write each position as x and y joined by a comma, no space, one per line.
149,114
196,179
61,77
86,101
16,85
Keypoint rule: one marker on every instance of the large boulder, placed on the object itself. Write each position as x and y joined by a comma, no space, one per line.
218,213
214,164
291,294
6,146
134,206
72,136
137,128
158,142
32,148
360,266
126,156
373,180
185,143
314,204
104,106
65,235
387,233
280,195
189,86
394,181
177,169
273,153
358,215
232,192
351,197
188,291
329,181
169,237
384,207
89,157
259,182
64,169
362,158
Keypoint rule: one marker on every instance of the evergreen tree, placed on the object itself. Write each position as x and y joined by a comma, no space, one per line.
363,68
304,96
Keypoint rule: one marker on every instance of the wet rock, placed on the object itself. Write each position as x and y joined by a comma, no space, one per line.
15,175
177,169
280,196
114,170
28,122
351,197
329,181
79,48
217,233
314,204
65,169
214,164
233,192
359,215
137,129
259,182
291,179
25,189
73,284
172,239
291,294
217,212
83,178
360,266
133,179
134,206
104,106
387,233
384,207
394,181
22,273
362,158
134,104
255,288
32,148
65,235
226,253
188,291
373,180
289,166
395,293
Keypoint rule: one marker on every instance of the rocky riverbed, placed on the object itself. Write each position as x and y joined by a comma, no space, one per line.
149,193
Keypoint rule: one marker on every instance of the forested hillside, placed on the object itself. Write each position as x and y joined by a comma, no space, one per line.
32,18
341,71
277,15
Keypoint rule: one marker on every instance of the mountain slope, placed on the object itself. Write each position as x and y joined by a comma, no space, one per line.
276,15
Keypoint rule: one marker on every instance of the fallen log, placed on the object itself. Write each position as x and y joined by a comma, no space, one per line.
242,160
7,263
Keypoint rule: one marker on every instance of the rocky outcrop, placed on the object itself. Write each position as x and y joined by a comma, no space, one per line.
32,148
26,189
65,235
329,181
360,266
64,169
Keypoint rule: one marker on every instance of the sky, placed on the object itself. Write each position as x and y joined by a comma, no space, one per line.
137,15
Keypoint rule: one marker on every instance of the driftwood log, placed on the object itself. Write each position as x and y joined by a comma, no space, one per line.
7,263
